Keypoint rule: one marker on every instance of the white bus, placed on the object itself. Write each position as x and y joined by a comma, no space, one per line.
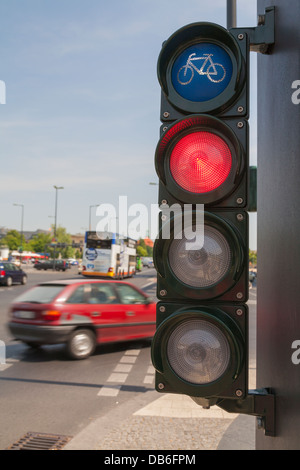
105,254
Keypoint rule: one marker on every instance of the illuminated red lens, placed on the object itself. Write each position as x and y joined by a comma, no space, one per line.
200,162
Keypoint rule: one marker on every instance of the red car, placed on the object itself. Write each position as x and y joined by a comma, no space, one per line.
82,314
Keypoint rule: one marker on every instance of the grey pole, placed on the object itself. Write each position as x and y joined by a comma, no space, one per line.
231,14
278,223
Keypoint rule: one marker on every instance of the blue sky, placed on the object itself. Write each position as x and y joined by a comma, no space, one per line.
82,102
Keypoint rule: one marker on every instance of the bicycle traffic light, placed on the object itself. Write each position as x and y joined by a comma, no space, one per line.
201,252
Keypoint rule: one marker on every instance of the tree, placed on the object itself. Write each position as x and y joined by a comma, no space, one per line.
63,237
39,242
12,239
253,257
141,251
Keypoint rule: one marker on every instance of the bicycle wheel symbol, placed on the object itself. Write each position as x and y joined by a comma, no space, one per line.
216,73
185,75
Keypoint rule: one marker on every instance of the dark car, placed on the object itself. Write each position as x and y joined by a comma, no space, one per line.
10,273
57,264
82,314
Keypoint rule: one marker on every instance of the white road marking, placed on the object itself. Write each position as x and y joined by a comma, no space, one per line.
109,391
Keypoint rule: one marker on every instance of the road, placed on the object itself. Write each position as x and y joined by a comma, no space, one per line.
44,392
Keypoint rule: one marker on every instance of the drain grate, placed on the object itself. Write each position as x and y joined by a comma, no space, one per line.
39,441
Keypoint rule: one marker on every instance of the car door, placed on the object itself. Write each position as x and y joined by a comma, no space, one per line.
140,313
13,271
96,305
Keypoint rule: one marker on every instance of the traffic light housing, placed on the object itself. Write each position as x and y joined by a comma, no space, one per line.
200,347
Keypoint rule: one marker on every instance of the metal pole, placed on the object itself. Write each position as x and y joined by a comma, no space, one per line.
231,14
278,222
56,189
22,219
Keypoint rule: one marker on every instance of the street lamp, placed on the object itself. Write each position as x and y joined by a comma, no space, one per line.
56,190
22,220
94,205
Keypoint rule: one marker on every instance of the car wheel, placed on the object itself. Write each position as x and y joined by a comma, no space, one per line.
24,280
81,344
9,281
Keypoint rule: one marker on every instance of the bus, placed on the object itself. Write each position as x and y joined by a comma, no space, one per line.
106,254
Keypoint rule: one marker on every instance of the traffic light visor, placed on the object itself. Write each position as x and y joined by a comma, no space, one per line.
198,256
201,69
198,350
200,159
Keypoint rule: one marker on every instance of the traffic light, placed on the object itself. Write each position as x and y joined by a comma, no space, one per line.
200,347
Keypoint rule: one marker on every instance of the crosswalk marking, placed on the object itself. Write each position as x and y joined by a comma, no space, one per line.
117,377
123,368
121,372
109,391
128,359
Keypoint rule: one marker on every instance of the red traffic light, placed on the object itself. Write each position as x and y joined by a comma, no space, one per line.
201,160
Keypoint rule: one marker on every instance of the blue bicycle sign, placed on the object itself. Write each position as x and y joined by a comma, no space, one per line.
201,72
213,71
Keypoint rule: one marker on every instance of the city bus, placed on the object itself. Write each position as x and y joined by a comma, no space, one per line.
106,254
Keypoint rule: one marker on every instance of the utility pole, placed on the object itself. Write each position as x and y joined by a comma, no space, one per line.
231,14
278,312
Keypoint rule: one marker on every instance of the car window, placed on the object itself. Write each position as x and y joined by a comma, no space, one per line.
102,294
41,294
129,295
93,294
80,295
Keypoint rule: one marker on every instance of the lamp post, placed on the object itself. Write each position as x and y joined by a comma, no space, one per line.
90,225
55,221
22,220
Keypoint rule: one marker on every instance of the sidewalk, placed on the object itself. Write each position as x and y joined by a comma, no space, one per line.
168,422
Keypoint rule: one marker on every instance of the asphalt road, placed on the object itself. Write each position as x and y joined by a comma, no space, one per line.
43,391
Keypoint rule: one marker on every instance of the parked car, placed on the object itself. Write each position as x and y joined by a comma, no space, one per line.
57,264
10,273
148,262
82,314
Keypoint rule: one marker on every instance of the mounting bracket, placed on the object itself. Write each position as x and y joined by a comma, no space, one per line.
262,36
260,403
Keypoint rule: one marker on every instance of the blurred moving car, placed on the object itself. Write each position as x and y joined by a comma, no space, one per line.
57,264
82,314
10,273
73,262
148,262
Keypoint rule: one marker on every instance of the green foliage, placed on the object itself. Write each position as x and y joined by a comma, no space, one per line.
12,239
146,249
39,242
253,257
141,251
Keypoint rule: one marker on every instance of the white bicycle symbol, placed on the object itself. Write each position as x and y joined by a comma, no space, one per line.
214,72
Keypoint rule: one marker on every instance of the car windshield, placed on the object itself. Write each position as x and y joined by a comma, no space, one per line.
41,294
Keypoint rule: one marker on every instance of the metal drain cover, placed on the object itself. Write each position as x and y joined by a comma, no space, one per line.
39,441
